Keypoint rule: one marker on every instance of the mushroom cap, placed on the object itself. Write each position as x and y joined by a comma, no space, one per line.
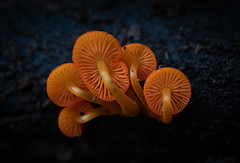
57,83
143,54
176,81
92,47
67,119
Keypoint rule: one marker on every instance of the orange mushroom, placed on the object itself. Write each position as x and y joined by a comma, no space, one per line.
68,119
97,56
141,62
65,87
58,82
167,91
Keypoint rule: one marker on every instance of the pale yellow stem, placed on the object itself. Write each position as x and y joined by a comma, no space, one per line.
167,106
130,93
101,111
113,107
129,106
138,89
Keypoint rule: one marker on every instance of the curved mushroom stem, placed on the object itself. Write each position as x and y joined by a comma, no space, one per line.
113,107
130,93
167,106
101,111
143,109
137,87
129,106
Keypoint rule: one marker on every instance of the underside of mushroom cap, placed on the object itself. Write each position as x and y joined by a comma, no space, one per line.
144,55
57,82
67,119
92,47
176,81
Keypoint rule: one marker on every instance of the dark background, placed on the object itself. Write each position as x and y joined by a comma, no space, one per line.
201,38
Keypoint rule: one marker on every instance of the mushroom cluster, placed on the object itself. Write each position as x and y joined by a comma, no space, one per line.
107,74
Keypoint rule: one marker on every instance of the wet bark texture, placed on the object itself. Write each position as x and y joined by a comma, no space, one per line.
200,38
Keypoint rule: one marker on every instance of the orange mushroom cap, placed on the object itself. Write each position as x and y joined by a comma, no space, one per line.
67,119
57,83
144,55
88,50
176,81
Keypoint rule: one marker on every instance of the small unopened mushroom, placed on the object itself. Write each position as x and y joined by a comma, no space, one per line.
167,92
97,56
65,87
141,62
68,119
